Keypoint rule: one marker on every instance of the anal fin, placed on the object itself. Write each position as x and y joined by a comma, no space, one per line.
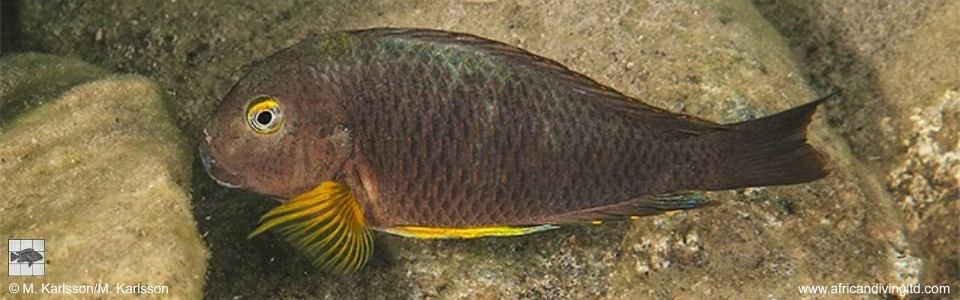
465,232
636,208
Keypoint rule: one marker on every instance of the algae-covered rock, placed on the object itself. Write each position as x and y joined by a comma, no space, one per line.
28,80
925,181
901,114
95,166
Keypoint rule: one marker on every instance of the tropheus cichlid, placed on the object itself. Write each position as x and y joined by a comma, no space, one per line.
434,134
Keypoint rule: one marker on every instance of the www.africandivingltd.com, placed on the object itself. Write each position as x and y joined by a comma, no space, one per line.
876,288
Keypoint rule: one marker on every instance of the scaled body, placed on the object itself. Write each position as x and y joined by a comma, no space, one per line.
432,129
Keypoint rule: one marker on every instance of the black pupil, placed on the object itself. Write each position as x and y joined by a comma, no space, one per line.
264,117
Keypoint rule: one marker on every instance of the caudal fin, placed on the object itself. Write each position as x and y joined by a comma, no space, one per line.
771,151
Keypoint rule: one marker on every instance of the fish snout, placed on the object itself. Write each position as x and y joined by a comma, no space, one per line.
215,171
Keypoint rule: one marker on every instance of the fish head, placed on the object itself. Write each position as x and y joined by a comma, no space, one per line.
279,131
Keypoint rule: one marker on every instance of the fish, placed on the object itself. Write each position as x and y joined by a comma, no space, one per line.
26,255
432,134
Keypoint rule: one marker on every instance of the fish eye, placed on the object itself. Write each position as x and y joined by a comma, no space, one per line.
264,115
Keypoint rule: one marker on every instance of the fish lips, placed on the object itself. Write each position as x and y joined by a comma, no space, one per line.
219,174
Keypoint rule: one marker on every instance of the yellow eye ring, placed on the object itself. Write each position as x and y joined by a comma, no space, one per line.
264,115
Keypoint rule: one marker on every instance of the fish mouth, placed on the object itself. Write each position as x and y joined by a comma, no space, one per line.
220,175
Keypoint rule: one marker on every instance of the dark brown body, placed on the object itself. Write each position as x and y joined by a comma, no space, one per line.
450,130
523,145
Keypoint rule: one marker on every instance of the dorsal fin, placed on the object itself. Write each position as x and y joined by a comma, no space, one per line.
542,66
515,55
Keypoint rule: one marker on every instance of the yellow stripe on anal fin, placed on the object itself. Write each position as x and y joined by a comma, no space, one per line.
464,232
325,223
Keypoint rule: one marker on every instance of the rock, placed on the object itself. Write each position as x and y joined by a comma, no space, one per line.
901,114
28,80
94,165
925,180
720,60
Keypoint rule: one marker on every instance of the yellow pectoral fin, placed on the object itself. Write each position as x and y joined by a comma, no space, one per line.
327,224
464,232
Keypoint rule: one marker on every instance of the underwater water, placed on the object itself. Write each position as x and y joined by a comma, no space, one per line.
126,182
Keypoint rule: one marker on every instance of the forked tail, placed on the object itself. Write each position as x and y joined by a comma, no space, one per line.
772,150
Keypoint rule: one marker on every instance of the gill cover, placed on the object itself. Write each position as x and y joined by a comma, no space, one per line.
327,224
